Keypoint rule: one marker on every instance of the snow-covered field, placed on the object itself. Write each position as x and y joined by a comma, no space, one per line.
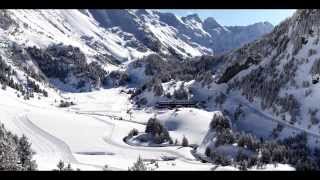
87,136
86,141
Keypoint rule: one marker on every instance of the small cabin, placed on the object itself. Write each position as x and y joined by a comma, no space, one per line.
175,104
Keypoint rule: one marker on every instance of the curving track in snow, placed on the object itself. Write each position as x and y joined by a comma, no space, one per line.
270,118
114,117
53,142
110,140
53,147
48,144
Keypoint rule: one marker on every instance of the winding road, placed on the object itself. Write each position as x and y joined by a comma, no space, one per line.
114,117
110,141
265,116
49,144
52,146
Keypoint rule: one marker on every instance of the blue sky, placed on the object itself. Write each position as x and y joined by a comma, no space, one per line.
237,16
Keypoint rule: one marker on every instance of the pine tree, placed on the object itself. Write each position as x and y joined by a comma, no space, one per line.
185,142
139,166
158,131
219,122
105,168
60,165
176,142
150,124
68,168
243,166
181,93
157,87
133,132
208,152
25,154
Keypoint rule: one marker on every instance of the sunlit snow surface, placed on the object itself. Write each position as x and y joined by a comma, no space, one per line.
87,137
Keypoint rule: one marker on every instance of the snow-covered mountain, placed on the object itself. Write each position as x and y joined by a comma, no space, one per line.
186,36
128,60
279,72
240,35
105,39
32,38
268,87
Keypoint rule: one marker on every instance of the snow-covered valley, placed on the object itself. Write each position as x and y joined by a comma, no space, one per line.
106,89
87,137
60,134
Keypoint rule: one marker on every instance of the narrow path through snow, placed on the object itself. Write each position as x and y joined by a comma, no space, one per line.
110,140
49,144
261,114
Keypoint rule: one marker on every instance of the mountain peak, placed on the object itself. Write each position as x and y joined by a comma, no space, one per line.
189,17
210,23
265,23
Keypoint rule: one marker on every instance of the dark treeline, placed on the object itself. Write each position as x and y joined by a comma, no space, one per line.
27,90
161,70
62,62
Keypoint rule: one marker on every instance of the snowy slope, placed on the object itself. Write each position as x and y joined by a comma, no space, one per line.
271,80
70,27
115,34
86,141
189,122
87,136
108,37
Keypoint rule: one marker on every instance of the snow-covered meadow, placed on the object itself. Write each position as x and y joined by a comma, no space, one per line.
89,137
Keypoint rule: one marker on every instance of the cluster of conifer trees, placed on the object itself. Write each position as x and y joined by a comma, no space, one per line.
259,152
15,152
27,90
